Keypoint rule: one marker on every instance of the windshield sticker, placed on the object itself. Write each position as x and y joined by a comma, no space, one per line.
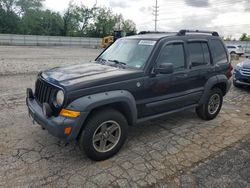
147,42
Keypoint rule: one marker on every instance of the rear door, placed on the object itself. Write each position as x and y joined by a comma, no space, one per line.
200,64
220,57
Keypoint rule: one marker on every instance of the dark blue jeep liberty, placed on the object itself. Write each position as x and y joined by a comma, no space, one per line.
135,79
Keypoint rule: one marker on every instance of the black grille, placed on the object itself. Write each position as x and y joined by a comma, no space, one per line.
44,91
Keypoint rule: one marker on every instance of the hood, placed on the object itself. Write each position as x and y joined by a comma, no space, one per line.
85,73
246,64
61,74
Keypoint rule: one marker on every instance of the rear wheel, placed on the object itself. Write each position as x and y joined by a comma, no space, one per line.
104,134
210,109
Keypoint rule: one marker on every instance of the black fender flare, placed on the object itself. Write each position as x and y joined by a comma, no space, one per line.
211,82
87,103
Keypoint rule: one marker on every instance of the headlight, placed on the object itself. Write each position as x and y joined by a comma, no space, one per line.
239,66
59,98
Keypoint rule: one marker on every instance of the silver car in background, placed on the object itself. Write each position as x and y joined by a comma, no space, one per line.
235,49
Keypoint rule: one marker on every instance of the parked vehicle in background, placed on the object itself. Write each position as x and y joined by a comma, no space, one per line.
137,78
241,75
235,49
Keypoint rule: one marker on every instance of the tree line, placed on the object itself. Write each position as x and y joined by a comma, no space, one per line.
29,17
245,37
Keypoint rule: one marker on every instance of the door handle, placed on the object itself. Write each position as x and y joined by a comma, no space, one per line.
184,75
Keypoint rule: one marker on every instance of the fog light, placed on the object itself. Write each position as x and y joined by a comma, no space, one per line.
67,130
47,110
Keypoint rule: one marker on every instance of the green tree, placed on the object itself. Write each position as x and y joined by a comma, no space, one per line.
104,23
7,5
9,22
25,5
20,6
129,27
244,37
70,21
38,22
84,15
29,17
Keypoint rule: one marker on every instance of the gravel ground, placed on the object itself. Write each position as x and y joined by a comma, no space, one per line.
30,60
177,151
230,169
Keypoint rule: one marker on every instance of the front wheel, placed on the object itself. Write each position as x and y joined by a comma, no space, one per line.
104,134
210,109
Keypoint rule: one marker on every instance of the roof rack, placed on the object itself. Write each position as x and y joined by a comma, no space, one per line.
151,32
184,31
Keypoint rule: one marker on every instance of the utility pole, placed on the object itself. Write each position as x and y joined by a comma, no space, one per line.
156,13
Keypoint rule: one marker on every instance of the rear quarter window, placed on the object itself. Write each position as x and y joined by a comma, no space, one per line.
219,53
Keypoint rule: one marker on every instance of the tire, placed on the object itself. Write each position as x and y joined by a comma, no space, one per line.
207,112
98,133
233,53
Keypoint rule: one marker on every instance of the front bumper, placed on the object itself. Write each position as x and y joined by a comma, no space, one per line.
55,125
241,79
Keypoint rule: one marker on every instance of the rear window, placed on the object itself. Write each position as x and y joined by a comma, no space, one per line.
218,51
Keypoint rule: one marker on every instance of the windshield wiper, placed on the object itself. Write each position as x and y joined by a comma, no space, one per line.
117,62
101,60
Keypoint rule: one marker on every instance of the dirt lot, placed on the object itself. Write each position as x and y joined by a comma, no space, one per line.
177,150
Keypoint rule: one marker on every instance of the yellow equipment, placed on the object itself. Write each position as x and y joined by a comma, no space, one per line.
106,41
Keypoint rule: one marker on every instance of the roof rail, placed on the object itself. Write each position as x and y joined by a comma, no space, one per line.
184,31
151,32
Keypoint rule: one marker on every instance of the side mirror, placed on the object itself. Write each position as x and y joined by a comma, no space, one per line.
164,68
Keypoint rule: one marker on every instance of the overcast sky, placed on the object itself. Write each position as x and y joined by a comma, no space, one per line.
228,17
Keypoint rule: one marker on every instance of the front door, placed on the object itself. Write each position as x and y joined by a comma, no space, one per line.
166,92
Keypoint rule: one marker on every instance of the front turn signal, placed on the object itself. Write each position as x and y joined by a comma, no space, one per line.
69,113
67,130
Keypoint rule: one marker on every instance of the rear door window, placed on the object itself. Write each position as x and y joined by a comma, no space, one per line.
218,51
199,53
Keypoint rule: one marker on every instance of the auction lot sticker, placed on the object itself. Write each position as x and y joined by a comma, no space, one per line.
147,42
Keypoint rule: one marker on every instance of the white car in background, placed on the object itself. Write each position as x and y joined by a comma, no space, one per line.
235,49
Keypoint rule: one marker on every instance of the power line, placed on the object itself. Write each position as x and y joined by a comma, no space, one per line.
183,16
172,6
156,14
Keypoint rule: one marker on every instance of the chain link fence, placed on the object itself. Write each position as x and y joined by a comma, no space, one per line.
36,40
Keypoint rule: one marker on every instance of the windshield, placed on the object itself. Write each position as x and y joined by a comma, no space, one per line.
128,52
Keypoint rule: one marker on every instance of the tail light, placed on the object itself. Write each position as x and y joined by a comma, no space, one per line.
229,71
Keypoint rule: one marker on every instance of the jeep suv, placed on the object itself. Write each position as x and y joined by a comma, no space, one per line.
137,78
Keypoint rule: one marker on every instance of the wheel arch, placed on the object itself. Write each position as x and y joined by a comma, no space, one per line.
120,100
219,81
